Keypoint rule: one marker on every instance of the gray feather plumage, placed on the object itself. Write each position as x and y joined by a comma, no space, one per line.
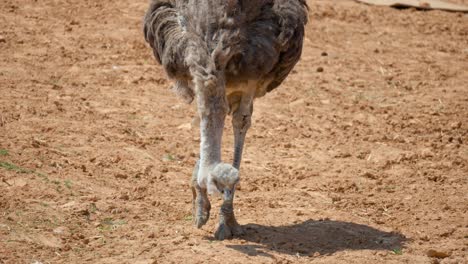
242,39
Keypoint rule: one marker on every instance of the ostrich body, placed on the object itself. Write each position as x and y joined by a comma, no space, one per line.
224,54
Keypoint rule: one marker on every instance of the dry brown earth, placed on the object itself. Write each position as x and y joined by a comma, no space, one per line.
360,157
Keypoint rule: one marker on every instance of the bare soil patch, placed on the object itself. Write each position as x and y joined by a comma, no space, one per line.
360,157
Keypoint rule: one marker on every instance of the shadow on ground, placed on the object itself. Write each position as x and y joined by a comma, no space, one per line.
309,237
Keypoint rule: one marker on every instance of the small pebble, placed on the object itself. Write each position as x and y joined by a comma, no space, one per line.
320,69
121,176
61,230
427,153
456,125
438,254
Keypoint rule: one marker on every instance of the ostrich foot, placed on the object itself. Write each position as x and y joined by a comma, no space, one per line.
200,203
201,208
228,231
228,226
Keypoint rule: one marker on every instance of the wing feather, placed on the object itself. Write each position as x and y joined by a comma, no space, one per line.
292,20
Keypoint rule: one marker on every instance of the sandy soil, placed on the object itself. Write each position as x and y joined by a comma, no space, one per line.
360,157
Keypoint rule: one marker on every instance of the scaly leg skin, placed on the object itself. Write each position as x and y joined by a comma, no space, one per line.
241,120
228,226
200,203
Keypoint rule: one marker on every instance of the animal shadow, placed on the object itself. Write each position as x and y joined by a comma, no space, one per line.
307,238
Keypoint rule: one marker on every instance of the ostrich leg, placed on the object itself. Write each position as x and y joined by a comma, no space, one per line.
241,120
200,202
212,110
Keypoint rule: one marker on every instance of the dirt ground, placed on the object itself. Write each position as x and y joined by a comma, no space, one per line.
360,157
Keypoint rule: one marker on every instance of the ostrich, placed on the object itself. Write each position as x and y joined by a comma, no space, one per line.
224,54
